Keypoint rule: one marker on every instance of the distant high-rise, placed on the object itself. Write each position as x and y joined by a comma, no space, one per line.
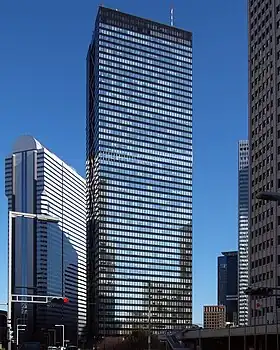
264,161
139,174
243,207
227,284
48,258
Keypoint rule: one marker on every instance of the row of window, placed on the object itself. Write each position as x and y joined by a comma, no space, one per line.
107,222
263,245
261,38
170,155
149,41
132,180
143,69
149,255
145,220
164,159
148,245
138,104
154,30
261,133
266,228
129,91
154,55
152,236
122,69
261,164
257,82
151,204
157,141
150,214
262,216
145,85
121,191
139,118
256,6
262,277
145,80
155,90
152,135
261,262
140,59
112,168
138,268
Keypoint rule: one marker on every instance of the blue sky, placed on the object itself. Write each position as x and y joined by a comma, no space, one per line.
43,45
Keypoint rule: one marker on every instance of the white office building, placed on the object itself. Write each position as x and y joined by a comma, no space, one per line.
243,207
48,258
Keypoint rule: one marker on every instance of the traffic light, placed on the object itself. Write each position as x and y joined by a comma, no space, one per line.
60,300
260,291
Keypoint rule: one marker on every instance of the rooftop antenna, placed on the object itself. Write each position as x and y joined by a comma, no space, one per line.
172,16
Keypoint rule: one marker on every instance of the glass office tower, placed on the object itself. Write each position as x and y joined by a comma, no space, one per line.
243,208
48,258
139,175
228,284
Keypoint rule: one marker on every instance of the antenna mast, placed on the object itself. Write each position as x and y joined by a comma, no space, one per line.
172,16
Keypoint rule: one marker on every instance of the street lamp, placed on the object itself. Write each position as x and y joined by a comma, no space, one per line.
269,196
62,326
20,327
15,214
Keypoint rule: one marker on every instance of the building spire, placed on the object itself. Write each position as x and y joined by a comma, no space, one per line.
172,16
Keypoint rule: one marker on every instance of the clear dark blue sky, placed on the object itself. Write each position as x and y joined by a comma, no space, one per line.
43,46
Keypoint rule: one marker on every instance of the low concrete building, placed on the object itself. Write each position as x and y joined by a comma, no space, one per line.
214,316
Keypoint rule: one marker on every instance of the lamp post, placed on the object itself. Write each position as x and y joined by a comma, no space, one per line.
149,315
20,327
12,215
62,326
273,197
229,340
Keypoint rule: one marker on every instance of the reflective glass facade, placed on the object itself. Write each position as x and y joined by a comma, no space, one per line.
243,207
228,284
139,174
48,258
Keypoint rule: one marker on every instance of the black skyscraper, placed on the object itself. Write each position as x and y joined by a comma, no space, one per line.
228,284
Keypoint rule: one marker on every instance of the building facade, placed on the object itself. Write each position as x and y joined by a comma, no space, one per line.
214,316
243,230
264,144
139,174
228,284
48,258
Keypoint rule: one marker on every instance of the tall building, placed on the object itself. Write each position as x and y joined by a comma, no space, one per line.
228,284
243,207
139,174
48,258
264,144
214,316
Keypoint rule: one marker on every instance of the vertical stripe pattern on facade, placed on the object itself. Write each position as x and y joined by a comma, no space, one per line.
49,258
243,230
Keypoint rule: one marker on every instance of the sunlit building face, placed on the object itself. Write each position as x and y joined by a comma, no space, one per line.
139,174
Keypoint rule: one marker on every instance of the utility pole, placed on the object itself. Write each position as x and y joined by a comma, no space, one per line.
149,315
